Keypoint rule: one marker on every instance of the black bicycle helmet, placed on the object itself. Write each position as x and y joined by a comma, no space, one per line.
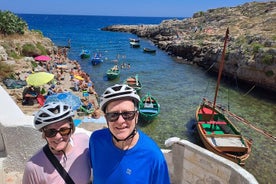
118,91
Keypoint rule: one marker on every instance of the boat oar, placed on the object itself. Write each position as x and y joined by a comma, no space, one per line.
243,120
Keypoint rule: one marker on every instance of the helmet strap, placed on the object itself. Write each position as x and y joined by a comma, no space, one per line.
130,136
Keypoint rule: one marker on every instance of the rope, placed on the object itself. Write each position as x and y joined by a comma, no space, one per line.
210,67
249,90
242,120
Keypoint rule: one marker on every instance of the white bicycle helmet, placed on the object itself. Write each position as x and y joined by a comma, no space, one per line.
118,91
51,113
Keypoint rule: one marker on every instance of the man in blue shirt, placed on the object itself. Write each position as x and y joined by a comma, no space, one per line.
121,153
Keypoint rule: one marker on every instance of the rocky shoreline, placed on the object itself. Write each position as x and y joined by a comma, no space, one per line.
251,50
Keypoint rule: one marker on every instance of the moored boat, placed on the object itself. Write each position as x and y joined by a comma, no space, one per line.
97,59
113,73
84,54
134,82
217,132
149,108
134,44
149,50
220,135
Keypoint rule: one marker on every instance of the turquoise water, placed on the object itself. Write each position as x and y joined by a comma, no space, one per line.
179,88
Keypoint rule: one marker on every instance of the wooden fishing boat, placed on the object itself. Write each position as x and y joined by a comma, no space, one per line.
217,132
84,54
113,73
220,135
134,82
149,108
149,50
97,59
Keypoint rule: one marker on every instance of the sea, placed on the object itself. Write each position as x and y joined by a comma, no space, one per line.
178,87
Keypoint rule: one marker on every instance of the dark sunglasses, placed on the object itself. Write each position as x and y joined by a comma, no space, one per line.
114,116
53,132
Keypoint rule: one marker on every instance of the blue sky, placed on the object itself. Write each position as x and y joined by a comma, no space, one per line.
152,8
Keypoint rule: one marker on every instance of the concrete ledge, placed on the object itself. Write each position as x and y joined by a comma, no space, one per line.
189,163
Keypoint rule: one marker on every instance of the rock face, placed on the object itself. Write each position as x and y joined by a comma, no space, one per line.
251,49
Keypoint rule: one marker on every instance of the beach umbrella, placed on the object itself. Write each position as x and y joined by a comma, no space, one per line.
78,77
39,78
65,97
42,58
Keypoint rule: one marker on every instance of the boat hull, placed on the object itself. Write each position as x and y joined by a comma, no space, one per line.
112,74
149,108
134,82
134,44
148,50
85,54
97,59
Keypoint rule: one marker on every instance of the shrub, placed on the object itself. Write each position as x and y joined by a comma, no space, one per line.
269,73
256,47
268,59
14,55
28,49
42,49
37,31
5,70
11,24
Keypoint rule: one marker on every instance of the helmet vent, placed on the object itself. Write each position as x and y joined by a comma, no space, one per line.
118,94
59,117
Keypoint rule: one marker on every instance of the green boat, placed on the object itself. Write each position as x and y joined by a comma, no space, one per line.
149,108
113,73
85,54
134,82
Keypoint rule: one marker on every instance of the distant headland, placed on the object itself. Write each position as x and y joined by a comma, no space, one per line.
198,40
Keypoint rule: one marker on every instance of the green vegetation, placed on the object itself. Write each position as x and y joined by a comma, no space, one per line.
269,73
256,47
14,55
268,59
41,48
5,70
28,49
38,32
11,24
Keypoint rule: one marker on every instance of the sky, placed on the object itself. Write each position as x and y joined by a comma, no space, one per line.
141,8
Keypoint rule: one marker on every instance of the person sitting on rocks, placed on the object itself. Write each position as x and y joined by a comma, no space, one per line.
29,94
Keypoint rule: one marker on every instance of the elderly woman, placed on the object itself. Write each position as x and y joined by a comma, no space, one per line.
64,150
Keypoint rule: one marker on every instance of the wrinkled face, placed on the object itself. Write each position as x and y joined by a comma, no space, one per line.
58,135
122,127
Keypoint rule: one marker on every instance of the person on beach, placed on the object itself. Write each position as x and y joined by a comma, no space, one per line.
70,149
121,153
29,94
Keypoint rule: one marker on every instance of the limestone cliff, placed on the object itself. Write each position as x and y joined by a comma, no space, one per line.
17,51
251,49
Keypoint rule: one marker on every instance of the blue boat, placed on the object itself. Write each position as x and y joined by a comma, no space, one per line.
97,59
85,54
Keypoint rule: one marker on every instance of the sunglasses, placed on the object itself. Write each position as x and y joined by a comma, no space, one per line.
53,132
114,116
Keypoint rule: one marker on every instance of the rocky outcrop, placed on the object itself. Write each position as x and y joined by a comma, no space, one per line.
17,51
251,49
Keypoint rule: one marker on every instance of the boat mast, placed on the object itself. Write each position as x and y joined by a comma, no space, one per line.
221,65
